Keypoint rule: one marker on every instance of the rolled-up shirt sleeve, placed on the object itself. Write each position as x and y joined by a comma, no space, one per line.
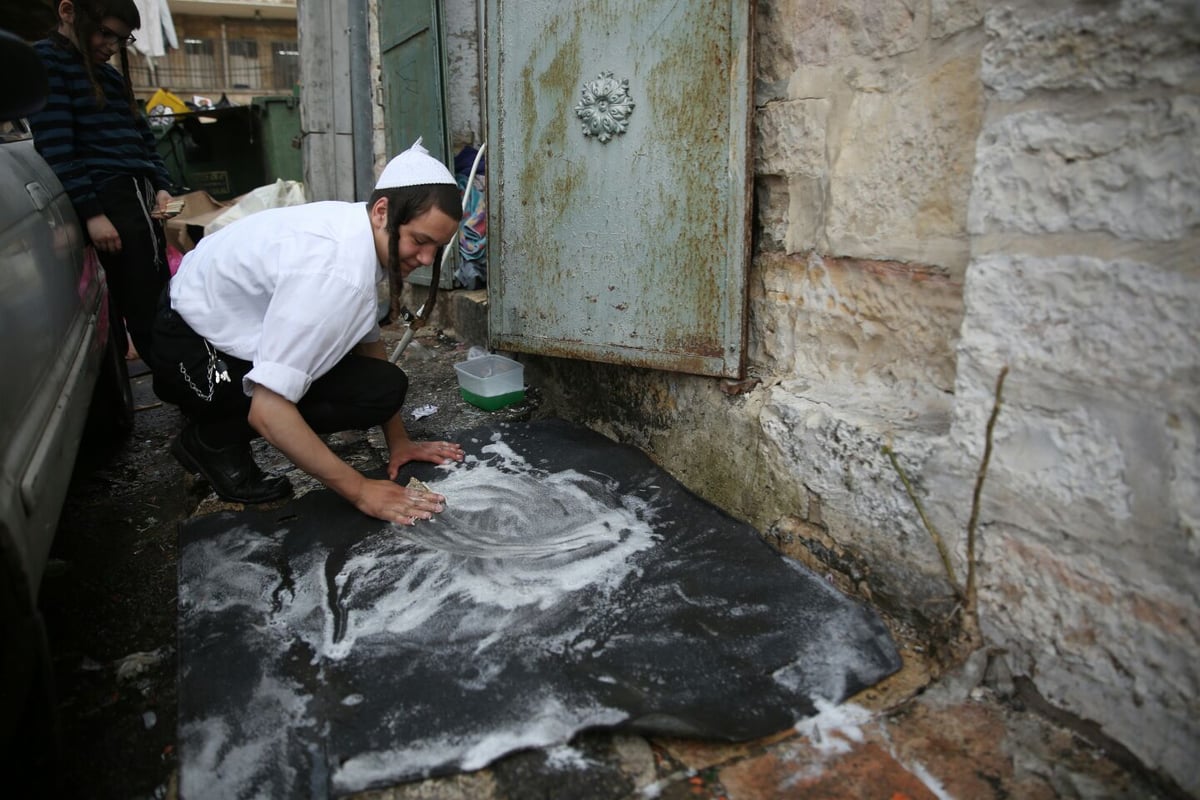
314,319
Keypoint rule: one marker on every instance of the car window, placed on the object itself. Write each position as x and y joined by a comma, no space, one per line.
14,130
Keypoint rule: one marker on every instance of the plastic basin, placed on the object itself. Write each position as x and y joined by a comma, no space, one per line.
491,382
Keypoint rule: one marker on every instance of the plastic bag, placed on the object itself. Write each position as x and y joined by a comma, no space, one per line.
274,195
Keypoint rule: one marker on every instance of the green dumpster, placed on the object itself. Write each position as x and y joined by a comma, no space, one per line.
218,150
229,151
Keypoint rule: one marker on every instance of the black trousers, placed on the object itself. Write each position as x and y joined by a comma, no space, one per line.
136,275
358,393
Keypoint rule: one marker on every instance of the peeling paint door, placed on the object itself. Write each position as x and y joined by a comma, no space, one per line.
619,197
411,52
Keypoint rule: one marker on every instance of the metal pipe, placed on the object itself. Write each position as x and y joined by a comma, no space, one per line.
225,56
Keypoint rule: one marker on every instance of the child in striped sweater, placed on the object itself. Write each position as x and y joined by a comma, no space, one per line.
93,134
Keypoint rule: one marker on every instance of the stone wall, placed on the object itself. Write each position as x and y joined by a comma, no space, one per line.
1083,280
946,188
866,119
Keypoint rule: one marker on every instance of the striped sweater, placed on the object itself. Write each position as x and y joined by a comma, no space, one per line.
87,145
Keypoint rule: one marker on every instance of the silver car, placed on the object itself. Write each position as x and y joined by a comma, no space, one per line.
58,364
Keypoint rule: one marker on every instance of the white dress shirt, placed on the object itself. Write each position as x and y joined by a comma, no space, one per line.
291,290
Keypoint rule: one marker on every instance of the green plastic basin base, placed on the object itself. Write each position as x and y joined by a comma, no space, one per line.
492,403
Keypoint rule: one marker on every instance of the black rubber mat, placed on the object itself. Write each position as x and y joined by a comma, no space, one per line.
571,584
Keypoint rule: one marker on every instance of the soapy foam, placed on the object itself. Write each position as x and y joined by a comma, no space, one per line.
512,541
486,591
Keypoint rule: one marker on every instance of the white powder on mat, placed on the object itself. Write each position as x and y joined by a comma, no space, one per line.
513,540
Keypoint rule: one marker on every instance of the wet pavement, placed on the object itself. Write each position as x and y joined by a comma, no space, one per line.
109,600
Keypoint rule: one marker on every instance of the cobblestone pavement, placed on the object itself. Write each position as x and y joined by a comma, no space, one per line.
110,607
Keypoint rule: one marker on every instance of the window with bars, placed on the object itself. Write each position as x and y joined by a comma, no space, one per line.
199,63
245,70
285,63
204,66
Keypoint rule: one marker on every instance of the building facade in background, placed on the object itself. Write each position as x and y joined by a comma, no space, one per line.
236,49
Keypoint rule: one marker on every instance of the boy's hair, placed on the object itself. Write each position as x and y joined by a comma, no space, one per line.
88,16
406,203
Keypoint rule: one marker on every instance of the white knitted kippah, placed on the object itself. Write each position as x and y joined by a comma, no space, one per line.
414,167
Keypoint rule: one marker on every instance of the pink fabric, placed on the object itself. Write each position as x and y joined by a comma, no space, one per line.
174,257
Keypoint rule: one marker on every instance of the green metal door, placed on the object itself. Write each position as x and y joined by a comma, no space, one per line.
410,47
411,51
619,189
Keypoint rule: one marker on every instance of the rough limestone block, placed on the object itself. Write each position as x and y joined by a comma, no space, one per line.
808,202
830,439
948,17
1131,169
1115,651
1088,527
902,171
773,199
790,143
1125,45
794,35
790,138
858,322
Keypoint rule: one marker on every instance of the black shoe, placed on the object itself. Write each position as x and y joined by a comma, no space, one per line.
231,470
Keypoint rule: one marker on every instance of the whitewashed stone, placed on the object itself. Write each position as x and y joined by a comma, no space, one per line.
1132,170
1106,46
1118,328
793,35
1184,453
1114,651
790,138
857,323
948,17
901,176
1100,405
1088,545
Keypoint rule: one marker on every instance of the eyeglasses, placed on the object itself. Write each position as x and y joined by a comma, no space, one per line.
112,37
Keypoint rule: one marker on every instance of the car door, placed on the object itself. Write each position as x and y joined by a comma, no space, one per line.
51,341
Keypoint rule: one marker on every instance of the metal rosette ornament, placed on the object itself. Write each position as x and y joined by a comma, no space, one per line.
605,107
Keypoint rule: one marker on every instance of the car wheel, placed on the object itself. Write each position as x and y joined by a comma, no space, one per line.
31,757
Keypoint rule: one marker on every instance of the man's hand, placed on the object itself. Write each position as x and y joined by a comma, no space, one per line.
102,233
401,449
406,450
280,423
389,501
165,206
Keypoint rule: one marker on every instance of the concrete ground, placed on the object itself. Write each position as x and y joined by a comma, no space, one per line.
970,733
